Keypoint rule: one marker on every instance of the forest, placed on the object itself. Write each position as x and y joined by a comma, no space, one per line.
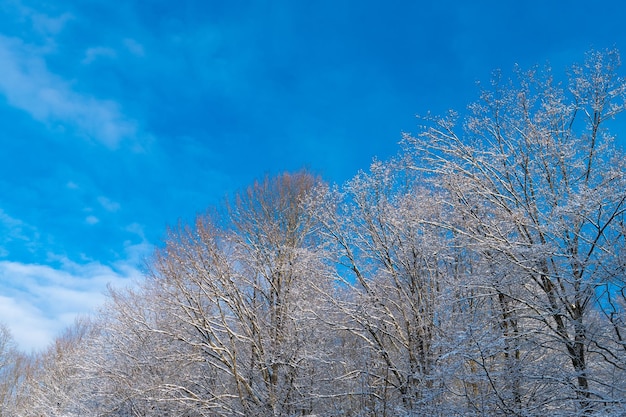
479,272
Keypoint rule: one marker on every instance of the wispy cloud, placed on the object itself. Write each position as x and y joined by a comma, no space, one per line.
39,301
12,230
46,24
91,54
42,23
134,47
108,204
27,84
92,219
30,327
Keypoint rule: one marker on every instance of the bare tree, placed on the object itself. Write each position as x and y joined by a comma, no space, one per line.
14,372
236,300
392,259
537,184
56,384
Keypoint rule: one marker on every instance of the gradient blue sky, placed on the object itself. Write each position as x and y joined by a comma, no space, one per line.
120,118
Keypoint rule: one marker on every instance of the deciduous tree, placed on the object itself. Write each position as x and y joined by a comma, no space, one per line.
538,186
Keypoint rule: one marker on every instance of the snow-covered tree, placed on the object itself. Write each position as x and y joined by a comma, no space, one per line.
392,261
232,302
539,189
14,371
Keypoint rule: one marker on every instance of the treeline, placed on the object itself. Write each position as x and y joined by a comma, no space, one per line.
480,272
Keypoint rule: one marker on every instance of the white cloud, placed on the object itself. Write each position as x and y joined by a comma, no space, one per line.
30,328
108,205
28,85
12,229
91,54
92,220
39,301
134,47
49,25
42,23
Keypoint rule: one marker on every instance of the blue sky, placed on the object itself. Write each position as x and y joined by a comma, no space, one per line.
120,118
